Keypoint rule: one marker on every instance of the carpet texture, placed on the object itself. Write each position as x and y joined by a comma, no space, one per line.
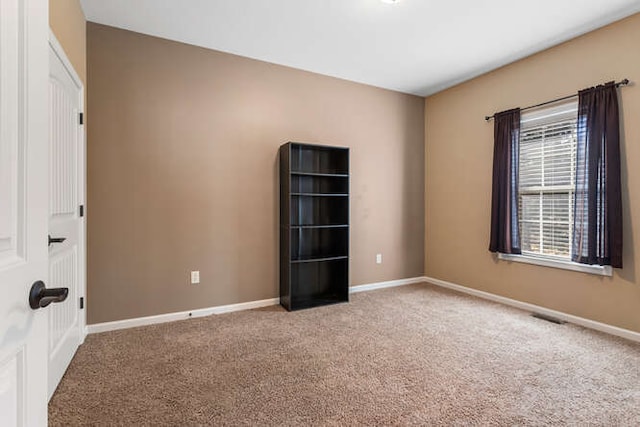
413,355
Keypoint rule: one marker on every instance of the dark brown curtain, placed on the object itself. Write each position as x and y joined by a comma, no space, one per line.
597,231
505,233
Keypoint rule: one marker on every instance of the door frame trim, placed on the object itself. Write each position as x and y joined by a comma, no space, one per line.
57,48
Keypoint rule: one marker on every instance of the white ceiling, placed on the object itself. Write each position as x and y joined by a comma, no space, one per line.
413,46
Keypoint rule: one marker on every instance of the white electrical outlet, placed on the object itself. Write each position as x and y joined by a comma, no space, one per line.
195,277
378,258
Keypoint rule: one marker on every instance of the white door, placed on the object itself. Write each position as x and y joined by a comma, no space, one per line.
23,210
66,226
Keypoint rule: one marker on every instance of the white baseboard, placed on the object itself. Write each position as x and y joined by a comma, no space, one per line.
587,323
170,317
382,285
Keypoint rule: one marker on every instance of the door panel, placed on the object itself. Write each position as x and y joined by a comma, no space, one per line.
62,270
64,334
11,163
11,371
63,113
23,210
65,136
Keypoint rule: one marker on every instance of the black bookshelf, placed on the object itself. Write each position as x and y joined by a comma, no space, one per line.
314,225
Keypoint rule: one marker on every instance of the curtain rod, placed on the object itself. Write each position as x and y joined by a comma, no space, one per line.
623,82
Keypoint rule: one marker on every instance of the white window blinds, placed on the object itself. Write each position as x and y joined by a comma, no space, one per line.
547,181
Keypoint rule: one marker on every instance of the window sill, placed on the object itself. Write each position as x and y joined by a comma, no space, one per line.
601,270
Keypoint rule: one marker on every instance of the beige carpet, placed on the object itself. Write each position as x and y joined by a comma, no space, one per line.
415,355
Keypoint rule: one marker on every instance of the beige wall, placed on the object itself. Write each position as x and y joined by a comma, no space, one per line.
67,22
182,173
459,153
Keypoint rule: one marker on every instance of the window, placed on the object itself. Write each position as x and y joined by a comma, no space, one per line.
547,181
546,185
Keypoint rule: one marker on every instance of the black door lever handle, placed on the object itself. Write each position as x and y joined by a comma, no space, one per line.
40,296
56,240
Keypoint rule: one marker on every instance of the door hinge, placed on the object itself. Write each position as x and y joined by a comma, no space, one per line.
81,118
81,303
81,210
